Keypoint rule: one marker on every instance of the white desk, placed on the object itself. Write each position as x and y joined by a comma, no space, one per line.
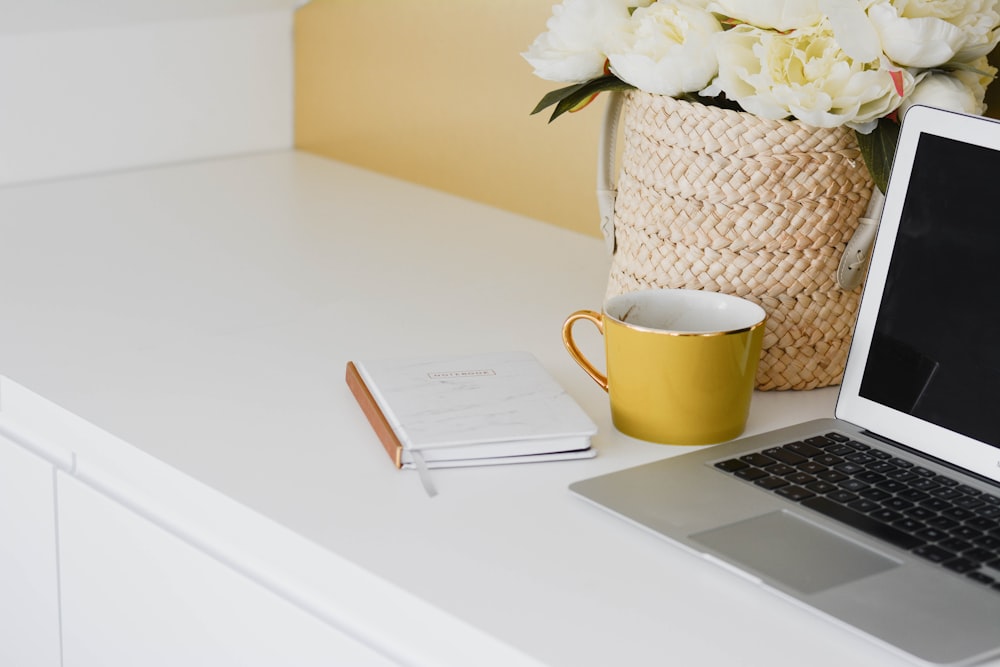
205,313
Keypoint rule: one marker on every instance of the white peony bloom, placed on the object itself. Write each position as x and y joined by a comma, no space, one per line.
853,29
574,49
777,14
928,33
963,90
667,48
943,90
805,74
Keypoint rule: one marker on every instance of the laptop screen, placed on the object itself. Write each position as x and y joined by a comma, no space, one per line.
935,347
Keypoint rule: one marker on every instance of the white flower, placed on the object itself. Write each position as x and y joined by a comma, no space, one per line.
667,48
962,90
853,29
928,33
945,91
574,47
777,14
804,73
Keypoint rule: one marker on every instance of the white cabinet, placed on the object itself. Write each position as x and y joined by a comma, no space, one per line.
29,595
135,594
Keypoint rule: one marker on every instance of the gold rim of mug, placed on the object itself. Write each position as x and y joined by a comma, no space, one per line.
667,332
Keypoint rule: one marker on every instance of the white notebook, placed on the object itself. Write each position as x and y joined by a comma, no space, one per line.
482,409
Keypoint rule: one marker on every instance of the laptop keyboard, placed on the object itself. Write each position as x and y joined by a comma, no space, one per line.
931,515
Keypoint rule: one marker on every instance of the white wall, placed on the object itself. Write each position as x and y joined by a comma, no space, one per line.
99,85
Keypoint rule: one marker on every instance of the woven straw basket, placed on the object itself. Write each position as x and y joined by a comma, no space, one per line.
725,201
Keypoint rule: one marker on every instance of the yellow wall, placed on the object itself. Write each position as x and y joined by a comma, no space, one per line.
435,91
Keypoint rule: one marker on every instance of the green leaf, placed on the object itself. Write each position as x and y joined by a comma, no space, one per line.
555,96
953,66
572,98
878,149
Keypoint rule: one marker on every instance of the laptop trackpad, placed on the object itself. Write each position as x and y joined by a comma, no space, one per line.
794,552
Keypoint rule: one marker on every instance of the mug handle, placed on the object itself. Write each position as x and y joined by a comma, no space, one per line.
567,335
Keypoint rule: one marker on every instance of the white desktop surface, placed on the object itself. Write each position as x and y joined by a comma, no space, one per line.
205,313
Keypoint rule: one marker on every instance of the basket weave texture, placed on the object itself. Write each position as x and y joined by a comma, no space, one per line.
726,201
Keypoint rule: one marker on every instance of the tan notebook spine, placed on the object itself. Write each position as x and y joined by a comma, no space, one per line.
374,414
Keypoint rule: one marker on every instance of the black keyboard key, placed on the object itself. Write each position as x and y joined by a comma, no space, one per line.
758,460
870,477
965,533
875,494
811,467
936,504
819,486
853,485
862,522
979,555
842,496
909,525
819,441
942,522
946,493
961,565
988,542
902,475
828,460
840,450
982,523
958,513
924,484
933,553
793,492
786,456
889,516
848,468
732,465
864,505
883,467
913,495
954,544
750,474
837,437
897,504
920,513
981,578
803,449
892,486
968,502
800,478
932,534
770,482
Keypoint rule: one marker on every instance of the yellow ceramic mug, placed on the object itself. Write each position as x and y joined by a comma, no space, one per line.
680,363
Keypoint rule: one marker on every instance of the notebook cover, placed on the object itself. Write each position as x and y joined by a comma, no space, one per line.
468,407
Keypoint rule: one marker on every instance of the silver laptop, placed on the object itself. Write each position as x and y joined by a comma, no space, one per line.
886,517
